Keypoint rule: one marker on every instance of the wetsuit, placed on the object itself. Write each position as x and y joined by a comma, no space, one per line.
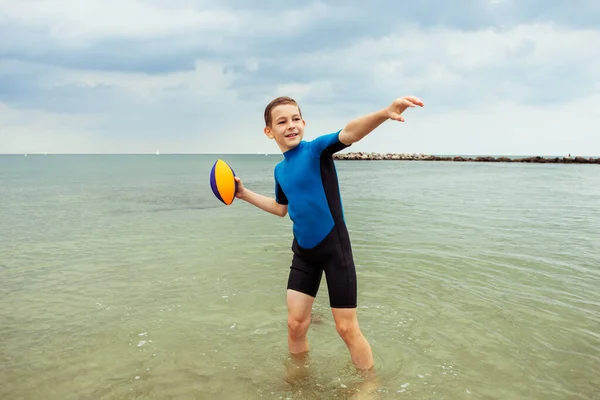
306,180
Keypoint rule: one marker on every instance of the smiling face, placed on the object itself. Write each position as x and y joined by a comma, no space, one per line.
285,125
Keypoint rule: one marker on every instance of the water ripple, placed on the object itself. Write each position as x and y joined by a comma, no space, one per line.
125,278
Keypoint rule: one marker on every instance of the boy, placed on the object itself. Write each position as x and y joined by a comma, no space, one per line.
306,182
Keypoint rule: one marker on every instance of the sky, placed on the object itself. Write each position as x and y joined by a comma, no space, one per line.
498,77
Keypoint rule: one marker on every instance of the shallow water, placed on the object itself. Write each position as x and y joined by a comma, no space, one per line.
122,277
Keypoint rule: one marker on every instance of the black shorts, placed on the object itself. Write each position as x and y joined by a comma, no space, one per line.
334,256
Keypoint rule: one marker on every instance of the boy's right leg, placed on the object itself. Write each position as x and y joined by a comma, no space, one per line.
303,285
299,311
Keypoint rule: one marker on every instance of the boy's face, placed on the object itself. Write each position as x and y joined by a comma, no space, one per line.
287,126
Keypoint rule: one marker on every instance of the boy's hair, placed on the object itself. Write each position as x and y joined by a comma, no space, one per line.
277,102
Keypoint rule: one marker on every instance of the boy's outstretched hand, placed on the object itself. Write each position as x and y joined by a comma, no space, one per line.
398,106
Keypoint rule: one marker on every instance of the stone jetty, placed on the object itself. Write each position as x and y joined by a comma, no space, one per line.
428,157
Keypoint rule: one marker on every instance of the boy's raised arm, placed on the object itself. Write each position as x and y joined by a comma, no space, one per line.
360,127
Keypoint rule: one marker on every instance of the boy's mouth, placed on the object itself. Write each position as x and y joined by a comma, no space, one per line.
291,135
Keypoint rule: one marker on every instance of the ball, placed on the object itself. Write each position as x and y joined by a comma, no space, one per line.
222,182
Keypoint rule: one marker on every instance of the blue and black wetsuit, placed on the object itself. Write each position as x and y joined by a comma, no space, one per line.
306,180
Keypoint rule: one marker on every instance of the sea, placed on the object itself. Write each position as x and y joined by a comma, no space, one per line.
123,277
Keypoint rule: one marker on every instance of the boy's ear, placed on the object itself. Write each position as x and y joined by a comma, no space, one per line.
268,132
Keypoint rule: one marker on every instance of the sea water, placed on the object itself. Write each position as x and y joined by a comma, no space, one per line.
123,277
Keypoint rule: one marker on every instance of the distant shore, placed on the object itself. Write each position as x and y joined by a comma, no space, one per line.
427,157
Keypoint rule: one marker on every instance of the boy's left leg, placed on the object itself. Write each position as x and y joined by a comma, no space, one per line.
340,272
346,324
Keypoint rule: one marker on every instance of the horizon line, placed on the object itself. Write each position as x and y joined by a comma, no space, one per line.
280,154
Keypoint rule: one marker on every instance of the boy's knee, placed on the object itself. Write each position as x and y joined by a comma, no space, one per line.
298,327
348,330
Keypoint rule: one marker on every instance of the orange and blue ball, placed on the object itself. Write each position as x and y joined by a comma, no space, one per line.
222,182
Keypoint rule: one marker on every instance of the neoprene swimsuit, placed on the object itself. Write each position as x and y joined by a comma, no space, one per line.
306,180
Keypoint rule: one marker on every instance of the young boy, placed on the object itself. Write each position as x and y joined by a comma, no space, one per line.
306,186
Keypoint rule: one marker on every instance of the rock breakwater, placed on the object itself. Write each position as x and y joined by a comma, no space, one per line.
428,157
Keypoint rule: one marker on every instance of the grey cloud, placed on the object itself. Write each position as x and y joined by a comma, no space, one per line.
322,52
262,31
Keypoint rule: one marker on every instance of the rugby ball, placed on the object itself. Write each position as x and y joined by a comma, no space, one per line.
222,182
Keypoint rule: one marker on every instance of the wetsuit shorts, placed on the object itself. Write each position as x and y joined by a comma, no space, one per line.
333,255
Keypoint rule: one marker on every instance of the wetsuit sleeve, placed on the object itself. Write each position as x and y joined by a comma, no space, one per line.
279,195
329,143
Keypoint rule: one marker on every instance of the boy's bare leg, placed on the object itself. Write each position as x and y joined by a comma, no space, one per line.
299,311
346,324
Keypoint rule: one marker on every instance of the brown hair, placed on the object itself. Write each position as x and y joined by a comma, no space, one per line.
277,102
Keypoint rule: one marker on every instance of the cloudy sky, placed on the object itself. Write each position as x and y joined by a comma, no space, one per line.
496,76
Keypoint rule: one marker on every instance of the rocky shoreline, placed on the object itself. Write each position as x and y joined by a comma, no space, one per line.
428,157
